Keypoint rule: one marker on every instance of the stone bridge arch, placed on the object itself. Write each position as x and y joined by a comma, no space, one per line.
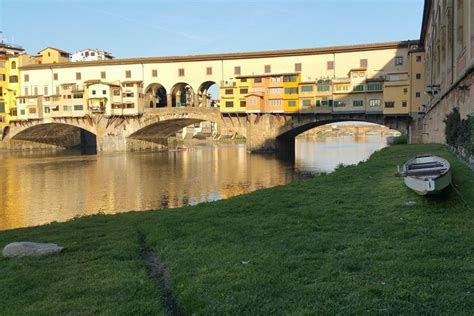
270,132
62,132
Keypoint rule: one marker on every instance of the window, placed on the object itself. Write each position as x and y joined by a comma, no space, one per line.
13,65
93,92
55,76
244,91
243,80
253,101
359,87
229,91
47,110
404,104
67,108
257,80
291,90
363,63
181,72
390,104
398,60
323,87
209,71
26,91
237,70
116,92
2,107
330,65
275,90
32,110
128,94
418,76
130,105
417,94
341,88
318,103
274,102
92,54
229,104
374,86
154,73
13,79
298,67
77,96
268,68
45,90
104,92
306,88
1,91
103,75
306,102
418,58
78,107
36,90
275,79
242,104
26,78
357,103
405,90
78,76
290,78
291,103
57,89
22,112
3,77
374,102
339,104
128,74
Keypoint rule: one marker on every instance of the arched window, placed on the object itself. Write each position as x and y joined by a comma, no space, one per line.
13,65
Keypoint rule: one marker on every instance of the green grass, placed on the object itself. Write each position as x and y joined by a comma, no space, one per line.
339,243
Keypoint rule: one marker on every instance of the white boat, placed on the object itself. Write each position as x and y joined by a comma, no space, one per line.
426,174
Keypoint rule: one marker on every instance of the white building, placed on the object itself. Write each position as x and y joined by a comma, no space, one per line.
89,54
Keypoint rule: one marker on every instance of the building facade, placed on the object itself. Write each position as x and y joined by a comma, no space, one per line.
448,39
372,78
89,54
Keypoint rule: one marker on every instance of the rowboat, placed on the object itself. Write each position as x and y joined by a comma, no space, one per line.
426,174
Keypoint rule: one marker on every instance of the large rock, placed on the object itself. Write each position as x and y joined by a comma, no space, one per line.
30,249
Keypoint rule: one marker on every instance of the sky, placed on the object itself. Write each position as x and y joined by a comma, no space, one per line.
184,27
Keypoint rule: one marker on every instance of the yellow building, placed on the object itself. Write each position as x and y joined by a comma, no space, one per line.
51,55
233,93
307,96
290,92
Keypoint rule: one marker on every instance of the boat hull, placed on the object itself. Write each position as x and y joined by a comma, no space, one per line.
427,174
428,186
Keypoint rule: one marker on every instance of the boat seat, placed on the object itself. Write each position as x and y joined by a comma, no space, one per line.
425,165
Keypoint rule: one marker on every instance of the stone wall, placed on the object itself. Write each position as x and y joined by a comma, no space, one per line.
461,97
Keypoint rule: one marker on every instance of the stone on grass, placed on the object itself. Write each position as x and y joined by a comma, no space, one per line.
410,203
30,249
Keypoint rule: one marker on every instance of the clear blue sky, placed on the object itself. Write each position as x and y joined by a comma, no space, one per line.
183,27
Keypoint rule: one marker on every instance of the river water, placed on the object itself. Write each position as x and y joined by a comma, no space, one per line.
38,188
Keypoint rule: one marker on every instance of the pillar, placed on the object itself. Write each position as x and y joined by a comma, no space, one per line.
169,100
196,100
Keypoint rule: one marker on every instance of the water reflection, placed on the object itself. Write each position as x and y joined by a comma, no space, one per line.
39,188
325,154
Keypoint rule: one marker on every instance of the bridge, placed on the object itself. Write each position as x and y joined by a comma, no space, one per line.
264,131
267,97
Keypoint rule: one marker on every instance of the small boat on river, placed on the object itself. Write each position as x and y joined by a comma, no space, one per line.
178,149
426,174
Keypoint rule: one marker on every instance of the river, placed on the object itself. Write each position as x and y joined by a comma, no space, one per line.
38,188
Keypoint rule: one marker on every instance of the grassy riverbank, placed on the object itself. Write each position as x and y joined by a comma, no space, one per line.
339,243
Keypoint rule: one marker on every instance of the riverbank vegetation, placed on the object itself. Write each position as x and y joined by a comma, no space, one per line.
346,242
